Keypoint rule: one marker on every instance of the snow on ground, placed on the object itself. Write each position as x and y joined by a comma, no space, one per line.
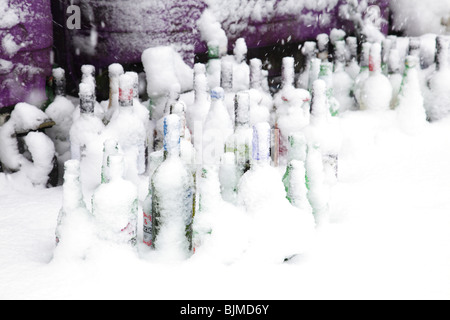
388,237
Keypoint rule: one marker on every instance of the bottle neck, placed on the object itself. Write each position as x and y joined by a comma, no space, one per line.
242,110
126,97
72,193
87,104
256,74
288,72
60,87
226,79
172,136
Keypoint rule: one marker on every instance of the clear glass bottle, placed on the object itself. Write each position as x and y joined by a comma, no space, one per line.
173,193
115,205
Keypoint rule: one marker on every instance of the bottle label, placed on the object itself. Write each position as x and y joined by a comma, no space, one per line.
148,234
125,97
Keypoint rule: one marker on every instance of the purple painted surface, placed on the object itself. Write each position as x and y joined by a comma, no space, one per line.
124,29
120,30
24,71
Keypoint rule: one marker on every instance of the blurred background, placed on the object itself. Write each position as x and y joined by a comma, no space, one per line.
35,36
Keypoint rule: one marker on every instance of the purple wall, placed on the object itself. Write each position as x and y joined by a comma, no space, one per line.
120,30
24,71
124,29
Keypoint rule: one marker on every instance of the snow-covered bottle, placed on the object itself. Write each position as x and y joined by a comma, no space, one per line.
115,70
363,72
292,105
74,225
240,142
386,47
342,82
376,91
172,198
394,75
202,100
314,72
229,175
322,132
326,74
115,205
323,42
61,112
318,191
127,128
59,79
352,66
141,110
410,110
336,35
218,127
241,70
226,83
309,52
261,102
187,150
438,104
87,127
261,144
88,75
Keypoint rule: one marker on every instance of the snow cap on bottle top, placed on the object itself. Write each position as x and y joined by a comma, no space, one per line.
59,81
322,41
58,73
72,168
172,133
88,70
261,141
217,93
115,70
309,48
199,68
240,49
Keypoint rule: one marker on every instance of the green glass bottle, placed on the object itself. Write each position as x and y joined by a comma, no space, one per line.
296,152
326,74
